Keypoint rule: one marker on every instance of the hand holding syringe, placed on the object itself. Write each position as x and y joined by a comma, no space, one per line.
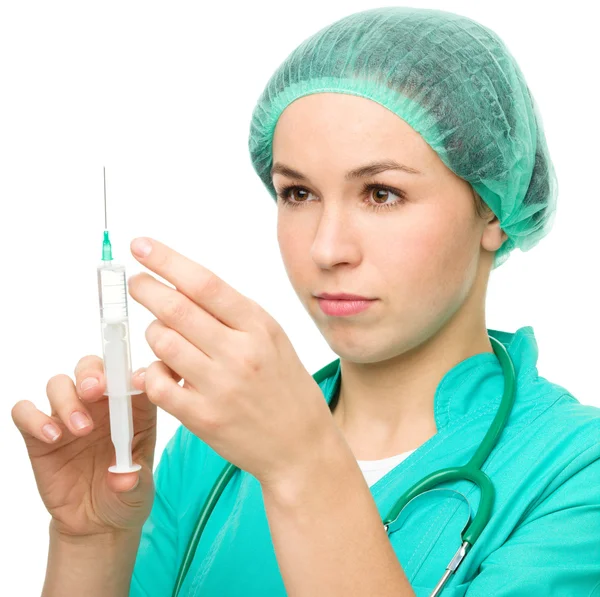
71,448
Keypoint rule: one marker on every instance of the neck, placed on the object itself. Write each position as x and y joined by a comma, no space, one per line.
386,407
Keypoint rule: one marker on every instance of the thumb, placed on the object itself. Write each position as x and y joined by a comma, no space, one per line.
123,482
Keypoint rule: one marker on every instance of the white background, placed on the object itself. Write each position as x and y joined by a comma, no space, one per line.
162,94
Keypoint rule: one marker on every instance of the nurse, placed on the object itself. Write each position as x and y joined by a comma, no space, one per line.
407,159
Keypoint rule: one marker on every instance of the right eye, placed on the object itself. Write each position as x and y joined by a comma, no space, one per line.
286,192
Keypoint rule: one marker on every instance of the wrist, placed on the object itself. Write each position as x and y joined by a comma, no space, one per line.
95,565
327,458
100,539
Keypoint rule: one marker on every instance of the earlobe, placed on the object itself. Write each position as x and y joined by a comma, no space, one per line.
493,236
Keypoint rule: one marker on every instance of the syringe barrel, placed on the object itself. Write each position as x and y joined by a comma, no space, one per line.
112,293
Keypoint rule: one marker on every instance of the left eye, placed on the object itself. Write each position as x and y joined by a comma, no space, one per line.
379,189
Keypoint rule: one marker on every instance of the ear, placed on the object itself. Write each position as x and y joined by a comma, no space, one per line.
493,236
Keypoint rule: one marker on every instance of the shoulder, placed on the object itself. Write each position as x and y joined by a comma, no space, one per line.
555,415
552,445
551,440
575,428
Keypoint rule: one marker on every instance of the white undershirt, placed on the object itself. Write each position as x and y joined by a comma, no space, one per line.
373,470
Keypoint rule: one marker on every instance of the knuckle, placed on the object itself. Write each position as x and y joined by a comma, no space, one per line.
176,309
154,369
250,358
163,259
153,331
262,322
158,391
18,408
165,343
211,423
210,285
150,331
89,362
272,328
55,381
228,393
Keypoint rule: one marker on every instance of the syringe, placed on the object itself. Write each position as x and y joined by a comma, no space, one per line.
112,292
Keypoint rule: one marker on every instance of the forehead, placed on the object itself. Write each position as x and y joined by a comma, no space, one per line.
346,131
341,112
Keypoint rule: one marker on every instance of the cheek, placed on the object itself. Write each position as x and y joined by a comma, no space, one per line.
433,257
293,248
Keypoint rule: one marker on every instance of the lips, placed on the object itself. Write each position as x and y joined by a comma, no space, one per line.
344,307
343,296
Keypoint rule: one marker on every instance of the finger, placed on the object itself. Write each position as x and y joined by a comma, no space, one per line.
199,284
163,390
141,401
178,354
139,377
65,403
122,482
181,314
32,422
130,482
89,378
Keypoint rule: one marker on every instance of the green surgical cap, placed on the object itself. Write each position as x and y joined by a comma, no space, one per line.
454,82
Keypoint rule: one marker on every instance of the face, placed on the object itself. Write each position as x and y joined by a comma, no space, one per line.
413,241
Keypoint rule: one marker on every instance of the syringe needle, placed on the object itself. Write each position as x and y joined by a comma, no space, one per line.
106,246
105,218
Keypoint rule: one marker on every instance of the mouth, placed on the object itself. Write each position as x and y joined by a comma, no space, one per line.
342,296
340,307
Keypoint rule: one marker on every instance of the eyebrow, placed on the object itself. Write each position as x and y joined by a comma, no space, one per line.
366,170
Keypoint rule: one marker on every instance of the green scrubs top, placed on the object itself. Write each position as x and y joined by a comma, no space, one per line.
543,537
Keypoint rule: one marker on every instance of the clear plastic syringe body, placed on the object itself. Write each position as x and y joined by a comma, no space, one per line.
112,292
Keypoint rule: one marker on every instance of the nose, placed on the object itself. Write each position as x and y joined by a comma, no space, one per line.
336,239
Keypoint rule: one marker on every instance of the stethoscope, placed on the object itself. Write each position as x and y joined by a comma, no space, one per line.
471,471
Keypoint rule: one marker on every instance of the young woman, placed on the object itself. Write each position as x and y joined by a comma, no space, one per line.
407,159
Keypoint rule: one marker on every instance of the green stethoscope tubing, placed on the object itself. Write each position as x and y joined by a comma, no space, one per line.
471,471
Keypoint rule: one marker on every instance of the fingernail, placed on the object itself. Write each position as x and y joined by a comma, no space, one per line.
79,420
88,382
142,375
141,247
50,432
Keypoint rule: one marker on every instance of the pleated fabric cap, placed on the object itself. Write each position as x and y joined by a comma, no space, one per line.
454,82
